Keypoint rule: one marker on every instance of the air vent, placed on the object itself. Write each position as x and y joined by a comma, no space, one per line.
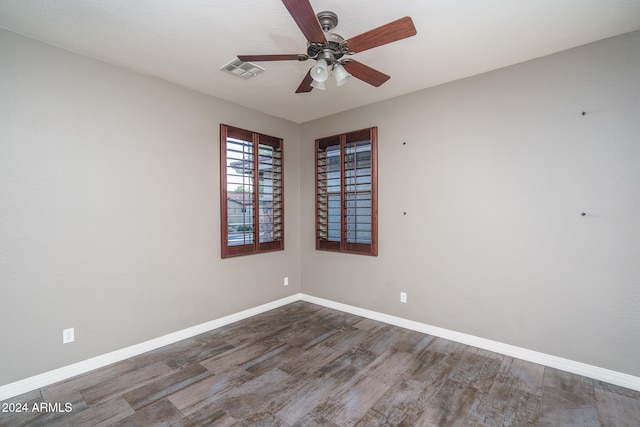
244,70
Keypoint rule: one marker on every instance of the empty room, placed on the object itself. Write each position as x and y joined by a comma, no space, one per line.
320,213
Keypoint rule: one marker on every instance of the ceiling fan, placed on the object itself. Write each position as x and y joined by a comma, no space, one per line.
331,51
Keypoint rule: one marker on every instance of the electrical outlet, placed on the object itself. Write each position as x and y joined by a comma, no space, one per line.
286,281
403,297
67,336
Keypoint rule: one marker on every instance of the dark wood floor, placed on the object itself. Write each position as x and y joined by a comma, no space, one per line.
307,365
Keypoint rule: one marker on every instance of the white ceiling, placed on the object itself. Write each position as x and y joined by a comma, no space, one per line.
188,41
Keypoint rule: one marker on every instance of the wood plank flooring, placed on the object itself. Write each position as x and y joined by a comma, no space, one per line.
306,365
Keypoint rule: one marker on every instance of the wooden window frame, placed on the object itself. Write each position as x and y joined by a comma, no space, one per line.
322,221
254,246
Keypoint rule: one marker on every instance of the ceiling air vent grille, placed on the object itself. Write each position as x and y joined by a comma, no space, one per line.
244,70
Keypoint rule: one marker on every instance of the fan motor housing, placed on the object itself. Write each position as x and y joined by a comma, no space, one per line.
335,45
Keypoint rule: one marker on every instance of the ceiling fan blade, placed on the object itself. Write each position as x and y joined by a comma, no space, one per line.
388,33
284,57
305,86
366,73
302,12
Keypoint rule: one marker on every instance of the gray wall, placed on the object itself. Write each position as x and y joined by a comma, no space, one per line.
495,174
109,209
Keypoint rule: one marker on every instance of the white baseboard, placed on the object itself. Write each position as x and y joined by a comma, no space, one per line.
590,371
48,378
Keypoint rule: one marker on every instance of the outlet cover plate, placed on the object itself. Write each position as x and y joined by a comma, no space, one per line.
68,336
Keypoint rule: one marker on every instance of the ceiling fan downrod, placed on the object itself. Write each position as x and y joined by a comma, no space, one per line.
328,20
335,46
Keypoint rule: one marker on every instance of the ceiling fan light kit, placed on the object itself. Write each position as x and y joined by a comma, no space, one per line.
340,74
318,85
329,49
320,72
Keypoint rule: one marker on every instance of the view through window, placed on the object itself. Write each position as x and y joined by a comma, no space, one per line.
252,192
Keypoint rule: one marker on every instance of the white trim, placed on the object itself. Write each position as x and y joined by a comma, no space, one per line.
48,378
579,368
60,374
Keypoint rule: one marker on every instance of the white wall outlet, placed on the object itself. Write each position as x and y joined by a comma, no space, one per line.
67,336
403,297
286,281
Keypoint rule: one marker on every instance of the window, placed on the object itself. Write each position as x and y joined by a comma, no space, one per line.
347,192
252,200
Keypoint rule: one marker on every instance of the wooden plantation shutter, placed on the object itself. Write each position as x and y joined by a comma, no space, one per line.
252,199
270,215
346,192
